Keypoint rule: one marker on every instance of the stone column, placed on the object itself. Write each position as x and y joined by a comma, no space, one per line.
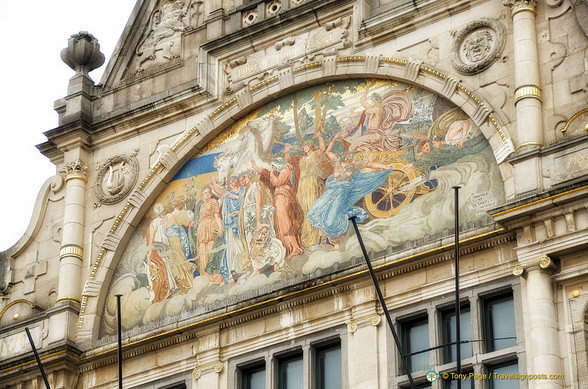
541,341
71,253
527,83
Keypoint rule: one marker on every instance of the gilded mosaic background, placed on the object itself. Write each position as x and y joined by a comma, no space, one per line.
267,203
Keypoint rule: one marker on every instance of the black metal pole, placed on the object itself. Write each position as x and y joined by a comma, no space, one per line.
37,358
381,297
457,306
120,385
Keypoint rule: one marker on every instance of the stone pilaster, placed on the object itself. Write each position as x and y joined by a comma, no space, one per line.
527,82
542,342
71,253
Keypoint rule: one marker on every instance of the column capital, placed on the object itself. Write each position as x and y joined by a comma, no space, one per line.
75,169
543,263
517,6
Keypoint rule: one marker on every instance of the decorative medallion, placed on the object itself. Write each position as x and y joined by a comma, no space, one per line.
478,45
273,8
249,17
116,177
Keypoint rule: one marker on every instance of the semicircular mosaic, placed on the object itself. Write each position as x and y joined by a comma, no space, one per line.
267,203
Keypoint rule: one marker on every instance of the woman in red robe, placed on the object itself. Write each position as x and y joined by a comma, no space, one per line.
289,215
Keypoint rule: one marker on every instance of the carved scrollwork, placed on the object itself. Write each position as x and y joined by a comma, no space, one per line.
478,45
116,177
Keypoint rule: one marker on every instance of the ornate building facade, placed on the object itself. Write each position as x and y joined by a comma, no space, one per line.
209,178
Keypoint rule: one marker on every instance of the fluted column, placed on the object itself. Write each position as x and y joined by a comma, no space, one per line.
72,240
541,341
527,93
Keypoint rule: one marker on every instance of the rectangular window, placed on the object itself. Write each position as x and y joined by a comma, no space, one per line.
448,335
467,383
290,372
415,338
253,377
499,323
180,385
498,376
328,367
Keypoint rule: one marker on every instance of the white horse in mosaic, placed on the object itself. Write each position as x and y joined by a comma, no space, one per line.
254,143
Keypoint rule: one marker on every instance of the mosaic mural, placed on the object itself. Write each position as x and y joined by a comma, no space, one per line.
268,202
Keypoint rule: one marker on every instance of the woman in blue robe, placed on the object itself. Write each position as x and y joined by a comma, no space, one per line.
345,187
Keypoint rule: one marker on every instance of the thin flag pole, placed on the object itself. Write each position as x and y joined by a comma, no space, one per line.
382,303
457,305
120,385
37,358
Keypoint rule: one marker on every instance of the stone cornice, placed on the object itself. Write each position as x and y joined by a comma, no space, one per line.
511,214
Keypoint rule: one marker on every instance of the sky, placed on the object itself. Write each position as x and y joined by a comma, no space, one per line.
32,35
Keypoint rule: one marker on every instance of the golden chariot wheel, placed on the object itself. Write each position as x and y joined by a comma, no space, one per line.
396,192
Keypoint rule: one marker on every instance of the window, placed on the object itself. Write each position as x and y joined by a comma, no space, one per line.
499,323
467,383
253,376
290,372
316,361
328,367
497,374
181,385
448,333
415,338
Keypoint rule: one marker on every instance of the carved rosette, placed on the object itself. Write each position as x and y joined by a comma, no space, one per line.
75,169
116,178
478,45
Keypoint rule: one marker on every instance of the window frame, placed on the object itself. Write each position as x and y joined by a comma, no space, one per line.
306,346
405,341
488,345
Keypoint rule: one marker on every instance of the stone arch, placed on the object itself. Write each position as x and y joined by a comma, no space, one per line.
244,101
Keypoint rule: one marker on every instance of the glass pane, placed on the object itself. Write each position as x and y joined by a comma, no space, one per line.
290,373
254,379
329,368
500,323
416,337
499,382
467,383
449,334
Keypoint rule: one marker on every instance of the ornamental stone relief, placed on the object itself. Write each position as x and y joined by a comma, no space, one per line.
250,18
161,43
330,39
478,45
116,177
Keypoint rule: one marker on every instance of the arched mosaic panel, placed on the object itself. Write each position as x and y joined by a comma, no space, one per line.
267,203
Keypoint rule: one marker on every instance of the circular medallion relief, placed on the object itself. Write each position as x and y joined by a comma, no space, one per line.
116,177
478,45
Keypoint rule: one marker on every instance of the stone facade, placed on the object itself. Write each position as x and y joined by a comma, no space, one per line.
195,84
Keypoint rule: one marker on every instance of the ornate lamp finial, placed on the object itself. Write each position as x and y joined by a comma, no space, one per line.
82,53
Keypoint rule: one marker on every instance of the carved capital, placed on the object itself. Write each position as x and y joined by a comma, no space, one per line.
517,6
75,169
543,263
216,367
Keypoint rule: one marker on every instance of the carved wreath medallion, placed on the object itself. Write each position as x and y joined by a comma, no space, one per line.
116,177
478,45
